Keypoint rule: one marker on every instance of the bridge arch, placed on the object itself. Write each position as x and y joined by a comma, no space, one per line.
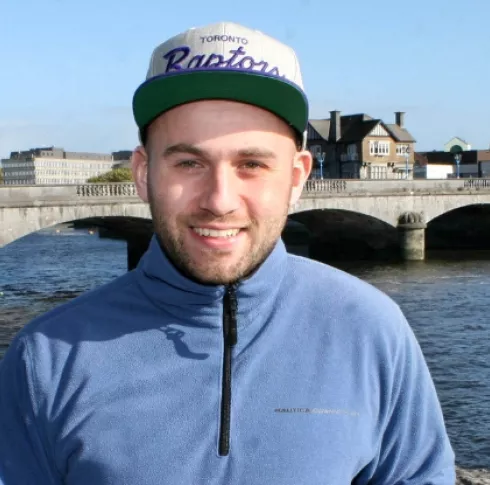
448,206
21,221
339,234
373,207
466,227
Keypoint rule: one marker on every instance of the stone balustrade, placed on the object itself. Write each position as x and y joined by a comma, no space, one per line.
10,195
318,187
107,190
314,189
477,183
324,186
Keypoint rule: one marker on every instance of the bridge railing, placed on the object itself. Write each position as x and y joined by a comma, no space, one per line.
477,183
325,185
33,195
317,187
125,189
320,187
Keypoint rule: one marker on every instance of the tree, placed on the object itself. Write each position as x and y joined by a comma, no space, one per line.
115,175
1,175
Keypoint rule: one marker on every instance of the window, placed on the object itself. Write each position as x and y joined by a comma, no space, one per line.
378,172
380,148
352,149
351,154
402,149
316,149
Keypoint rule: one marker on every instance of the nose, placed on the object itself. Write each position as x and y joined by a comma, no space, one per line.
220,195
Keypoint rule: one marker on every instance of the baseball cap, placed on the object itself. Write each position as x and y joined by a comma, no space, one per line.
226,61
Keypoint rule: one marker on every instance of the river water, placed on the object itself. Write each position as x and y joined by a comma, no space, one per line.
446,301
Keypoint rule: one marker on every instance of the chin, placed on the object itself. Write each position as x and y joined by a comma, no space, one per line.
216,278
216,274
212,280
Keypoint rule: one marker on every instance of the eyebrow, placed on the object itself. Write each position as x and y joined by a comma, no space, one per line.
250,152
256,152
183,148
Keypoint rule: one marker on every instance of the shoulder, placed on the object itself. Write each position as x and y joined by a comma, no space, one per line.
338,294
319,277
73,336
85,312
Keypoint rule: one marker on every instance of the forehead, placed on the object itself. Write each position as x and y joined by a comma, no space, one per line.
208,120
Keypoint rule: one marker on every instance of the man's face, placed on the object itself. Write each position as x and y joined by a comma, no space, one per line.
219,177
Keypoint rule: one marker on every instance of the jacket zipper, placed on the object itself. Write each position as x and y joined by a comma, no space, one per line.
230,339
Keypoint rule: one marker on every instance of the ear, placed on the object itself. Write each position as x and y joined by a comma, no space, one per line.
302,166
139,167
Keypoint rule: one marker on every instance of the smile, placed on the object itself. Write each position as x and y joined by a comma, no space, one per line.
215,233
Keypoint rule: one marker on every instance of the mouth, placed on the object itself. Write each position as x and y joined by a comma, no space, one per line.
216,233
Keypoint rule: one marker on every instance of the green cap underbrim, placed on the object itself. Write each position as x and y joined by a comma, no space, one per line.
162,93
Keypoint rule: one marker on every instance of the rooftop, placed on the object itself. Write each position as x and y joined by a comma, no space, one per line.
57,152
356,127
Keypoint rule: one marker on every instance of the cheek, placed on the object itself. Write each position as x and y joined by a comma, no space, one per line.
175,193
270,201
173,196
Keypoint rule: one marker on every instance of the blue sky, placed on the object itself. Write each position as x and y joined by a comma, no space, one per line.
69,67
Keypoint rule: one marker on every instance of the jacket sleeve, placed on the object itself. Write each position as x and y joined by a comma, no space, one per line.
414,447
23,453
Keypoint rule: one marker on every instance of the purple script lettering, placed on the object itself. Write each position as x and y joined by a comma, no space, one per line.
238,60
173,64
236,52
196,61
246,63
265,65
214,60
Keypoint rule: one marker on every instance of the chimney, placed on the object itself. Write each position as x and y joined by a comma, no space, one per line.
400,118
334,134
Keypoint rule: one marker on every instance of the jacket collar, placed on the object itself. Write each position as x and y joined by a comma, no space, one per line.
170,290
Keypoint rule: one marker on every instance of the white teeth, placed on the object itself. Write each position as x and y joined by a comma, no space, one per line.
215,233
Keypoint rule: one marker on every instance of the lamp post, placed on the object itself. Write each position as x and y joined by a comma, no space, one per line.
407,156
320,158
457,159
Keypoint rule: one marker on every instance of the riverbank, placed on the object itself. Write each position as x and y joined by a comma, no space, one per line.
477,476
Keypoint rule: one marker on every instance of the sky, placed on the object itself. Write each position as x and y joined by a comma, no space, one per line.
69,68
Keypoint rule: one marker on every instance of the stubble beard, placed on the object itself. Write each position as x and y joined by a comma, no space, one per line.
210,269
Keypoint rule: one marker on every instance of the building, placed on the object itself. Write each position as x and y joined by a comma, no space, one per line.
456,145
434,171
122,159
359,146
54,166
444,164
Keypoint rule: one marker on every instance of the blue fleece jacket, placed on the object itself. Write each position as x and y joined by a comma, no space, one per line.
325,384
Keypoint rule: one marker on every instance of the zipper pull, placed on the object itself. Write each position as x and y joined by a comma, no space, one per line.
231,309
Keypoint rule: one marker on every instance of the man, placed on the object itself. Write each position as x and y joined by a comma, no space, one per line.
221,359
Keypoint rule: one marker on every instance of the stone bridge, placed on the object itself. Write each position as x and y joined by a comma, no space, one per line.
407,205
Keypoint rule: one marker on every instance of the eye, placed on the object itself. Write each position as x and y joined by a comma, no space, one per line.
188,164
252,165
